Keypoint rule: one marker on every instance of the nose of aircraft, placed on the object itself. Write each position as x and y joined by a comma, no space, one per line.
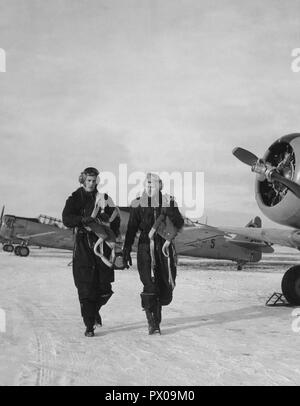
271,173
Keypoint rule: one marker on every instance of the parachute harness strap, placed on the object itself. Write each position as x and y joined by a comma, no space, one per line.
100,204
100,253
165,250
171,279
152,250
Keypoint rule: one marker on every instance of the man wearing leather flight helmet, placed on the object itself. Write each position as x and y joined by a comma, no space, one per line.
92,277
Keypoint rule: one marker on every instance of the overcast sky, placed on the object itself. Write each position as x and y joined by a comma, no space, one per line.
164,85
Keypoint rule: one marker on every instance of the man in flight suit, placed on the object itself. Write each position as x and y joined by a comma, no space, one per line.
92,276
157,272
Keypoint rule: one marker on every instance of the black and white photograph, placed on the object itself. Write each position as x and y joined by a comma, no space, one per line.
149,195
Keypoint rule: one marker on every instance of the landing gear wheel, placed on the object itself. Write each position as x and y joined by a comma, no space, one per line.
290,285
24,251
8,247
17,250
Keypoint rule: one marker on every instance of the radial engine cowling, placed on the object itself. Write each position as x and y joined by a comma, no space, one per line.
277,202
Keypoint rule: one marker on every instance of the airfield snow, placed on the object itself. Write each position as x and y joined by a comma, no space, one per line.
217,331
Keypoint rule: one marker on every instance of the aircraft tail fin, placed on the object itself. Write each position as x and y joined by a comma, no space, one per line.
257,247
255,223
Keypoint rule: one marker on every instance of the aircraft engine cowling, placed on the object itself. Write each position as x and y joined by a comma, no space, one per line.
274,199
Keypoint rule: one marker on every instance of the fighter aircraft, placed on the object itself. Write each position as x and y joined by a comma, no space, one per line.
277,192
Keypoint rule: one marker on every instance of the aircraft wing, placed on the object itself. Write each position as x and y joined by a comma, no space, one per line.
191,236
29,236
284,237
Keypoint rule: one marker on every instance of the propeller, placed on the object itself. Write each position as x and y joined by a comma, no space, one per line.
2,213
245,156
263,168
292,186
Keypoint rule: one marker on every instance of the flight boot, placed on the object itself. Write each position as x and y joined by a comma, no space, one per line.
150,304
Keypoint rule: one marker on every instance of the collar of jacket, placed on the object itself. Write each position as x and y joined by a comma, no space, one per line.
85,193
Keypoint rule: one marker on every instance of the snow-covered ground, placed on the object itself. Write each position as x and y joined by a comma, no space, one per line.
217,331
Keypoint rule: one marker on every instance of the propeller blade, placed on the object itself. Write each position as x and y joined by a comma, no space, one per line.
245,156
2,213
292,186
